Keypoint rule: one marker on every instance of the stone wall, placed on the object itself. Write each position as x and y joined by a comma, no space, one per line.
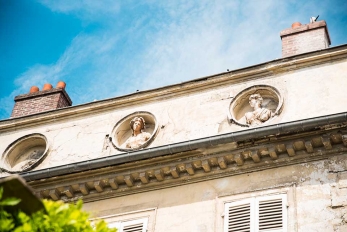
316,195
202,112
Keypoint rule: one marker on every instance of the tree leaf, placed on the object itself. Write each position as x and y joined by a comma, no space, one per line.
10,201
58,217
6,224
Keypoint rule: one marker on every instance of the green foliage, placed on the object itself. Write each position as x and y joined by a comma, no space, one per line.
58,217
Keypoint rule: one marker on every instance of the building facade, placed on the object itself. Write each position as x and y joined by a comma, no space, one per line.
261,148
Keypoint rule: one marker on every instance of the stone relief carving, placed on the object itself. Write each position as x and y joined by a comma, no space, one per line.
260,114
25,153
138,137
255,106
134,132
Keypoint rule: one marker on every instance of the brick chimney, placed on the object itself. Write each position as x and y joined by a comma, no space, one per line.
305,38
37,101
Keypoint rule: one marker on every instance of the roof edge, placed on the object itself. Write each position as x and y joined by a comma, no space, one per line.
267,68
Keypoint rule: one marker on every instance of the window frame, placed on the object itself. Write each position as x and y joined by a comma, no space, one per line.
121,224
254,211
146,216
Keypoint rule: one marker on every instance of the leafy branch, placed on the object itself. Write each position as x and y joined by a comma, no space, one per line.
57,216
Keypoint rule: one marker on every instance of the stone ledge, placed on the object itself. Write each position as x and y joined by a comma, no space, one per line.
189,167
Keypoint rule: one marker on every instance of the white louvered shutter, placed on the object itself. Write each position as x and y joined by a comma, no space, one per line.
139,225
271,213
260,214
238,216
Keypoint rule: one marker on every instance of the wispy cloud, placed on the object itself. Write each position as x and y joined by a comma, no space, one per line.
150,44
89,10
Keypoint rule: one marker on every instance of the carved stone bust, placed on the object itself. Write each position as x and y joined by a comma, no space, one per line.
138,137
135,131
256,105
260,114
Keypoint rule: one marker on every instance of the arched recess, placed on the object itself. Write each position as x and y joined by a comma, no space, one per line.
25,153
239,105
122,130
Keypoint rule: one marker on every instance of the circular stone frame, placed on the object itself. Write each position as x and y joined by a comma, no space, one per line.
122,131
239,105
25,153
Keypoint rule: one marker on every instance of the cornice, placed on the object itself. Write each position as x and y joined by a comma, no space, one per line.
266,69
228,159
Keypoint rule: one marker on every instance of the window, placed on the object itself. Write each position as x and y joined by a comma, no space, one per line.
134,221
258,214
139,225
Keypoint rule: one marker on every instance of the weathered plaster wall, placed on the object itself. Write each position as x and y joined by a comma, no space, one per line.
316,193
308,92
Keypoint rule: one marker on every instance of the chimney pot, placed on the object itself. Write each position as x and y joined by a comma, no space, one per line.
300,39
34,89
61,85
296,24
40,101
47,86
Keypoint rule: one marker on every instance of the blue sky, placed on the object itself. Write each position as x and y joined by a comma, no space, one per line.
108,48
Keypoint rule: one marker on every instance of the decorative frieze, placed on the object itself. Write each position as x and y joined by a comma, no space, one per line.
194,166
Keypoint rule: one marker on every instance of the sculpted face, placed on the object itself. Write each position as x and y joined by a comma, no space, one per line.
137,126
139,137
255,100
